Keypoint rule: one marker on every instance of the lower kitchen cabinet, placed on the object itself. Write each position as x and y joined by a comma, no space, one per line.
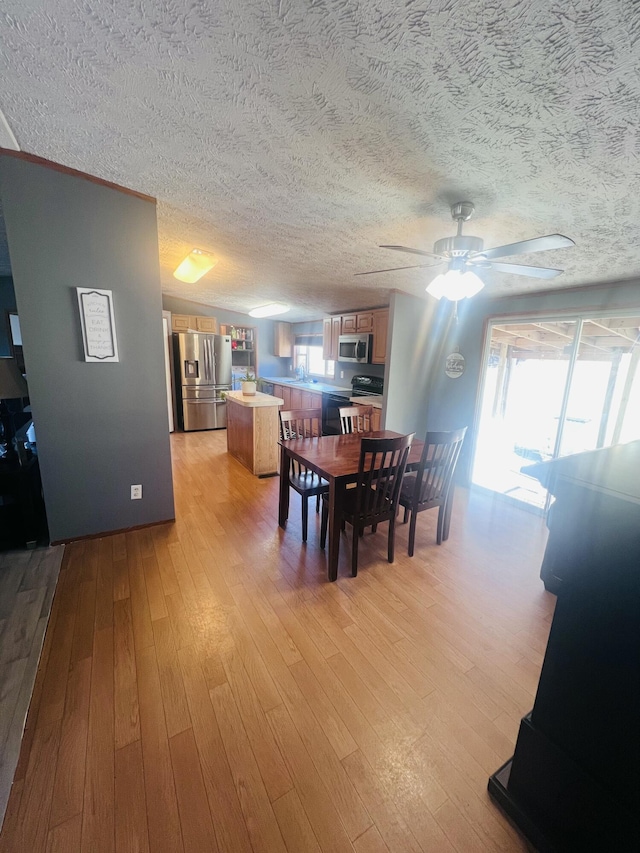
297,398
284,392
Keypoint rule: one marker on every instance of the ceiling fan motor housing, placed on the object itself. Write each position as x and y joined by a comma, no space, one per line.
458,246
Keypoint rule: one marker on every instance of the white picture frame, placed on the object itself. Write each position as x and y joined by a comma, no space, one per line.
98,324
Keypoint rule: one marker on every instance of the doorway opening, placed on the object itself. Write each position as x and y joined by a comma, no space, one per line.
552,387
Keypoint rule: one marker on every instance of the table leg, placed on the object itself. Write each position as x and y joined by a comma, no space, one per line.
335,493
283,507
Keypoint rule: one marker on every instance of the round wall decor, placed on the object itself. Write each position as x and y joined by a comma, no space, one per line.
454,365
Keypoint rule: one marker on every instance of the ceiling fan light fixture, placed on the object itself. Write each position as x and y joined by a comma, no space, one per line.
455,285
195,265
270,310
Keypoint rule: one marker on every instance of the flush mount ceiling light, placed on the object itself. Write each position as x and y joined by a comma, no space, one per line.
195,265
455,285
269,310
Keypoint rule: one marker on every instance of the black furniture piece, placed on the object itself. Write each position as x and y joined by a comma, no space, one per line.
22,514
573,783
375,496
432,484
303,423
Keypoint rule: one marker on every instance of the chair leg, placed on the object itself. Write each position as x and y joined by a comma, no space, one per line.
392,540
324,524
305,517
440,524
412,532
447,517
354,551
406,515
317,503
374,527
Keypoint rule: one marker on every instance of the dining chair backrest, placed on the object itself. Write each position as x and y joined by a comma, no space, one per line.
300,423
355,419
305,424
380,472
437,465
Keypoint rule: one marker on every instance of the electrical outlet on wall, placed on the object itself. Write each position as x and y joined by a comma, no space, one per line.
136,493
342,374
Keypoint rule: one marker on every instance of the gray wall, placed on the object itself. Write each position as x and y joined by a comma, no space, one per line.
453,401
412,341
7,305
268,363
100,427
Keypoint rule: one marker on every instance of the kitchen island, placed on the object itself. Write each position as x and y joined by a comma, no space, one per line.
252,431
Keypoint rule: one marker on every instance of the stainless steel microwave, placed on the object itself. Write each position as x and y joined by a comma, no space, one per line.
355,348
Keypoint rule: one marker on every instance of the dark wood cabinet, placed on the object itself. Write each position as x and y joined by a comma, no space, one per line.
22,514
574,780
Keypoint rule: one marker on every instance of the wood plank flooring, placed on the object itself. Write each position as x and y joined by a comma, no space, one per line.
27,584
204,688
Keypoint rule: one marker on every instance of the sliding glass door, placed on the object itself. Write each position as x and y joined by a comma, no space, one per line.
553,387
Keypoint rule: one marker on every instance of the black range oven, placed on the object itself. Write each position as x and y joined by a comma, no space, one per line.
331,403
361,386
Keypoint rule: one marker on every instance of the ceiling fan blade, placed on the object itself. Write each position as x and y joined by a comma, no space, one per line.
393,269
413,251
520,269
537,244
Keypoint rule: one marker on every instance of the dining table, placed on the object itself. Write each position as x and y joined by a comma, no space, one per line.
335,458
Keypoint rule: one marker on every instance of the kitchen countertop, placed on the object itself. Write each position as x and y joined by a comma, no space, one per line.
376,402
319,387
253,400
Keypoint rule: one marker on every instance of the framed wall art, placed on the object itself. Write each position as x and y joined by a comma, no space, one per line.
98,324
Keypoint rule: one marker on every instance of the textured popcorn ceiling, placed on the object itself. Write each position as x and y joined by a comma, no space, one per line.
291,138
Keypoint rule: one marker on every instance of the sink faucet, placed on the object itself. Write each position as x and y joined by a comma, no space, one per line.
302,373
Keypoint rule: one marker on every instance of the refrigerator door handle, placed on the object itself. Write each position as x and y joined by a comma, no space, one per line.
205,353
212,360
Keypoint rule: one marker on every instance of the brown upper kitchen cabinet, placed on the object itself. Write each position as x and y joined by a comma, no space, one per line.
331,331
373,322
349,324
182,322
207,324
283,340
191,323
353,324
380,323
326,338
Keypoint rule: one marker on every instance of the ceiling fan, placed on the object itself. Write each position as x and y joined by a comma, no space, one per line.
465,253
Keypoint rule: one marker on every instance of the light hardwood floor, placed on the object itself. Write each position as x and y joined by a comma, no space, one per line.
202,687
27,583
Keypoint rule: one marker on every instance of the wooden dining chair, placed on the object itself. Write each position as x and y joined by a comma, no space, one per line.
375,497
355,419
303,423
432,484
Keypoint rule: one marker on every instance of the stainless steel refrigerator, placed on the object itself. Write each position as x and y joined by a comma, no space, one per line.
203,372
